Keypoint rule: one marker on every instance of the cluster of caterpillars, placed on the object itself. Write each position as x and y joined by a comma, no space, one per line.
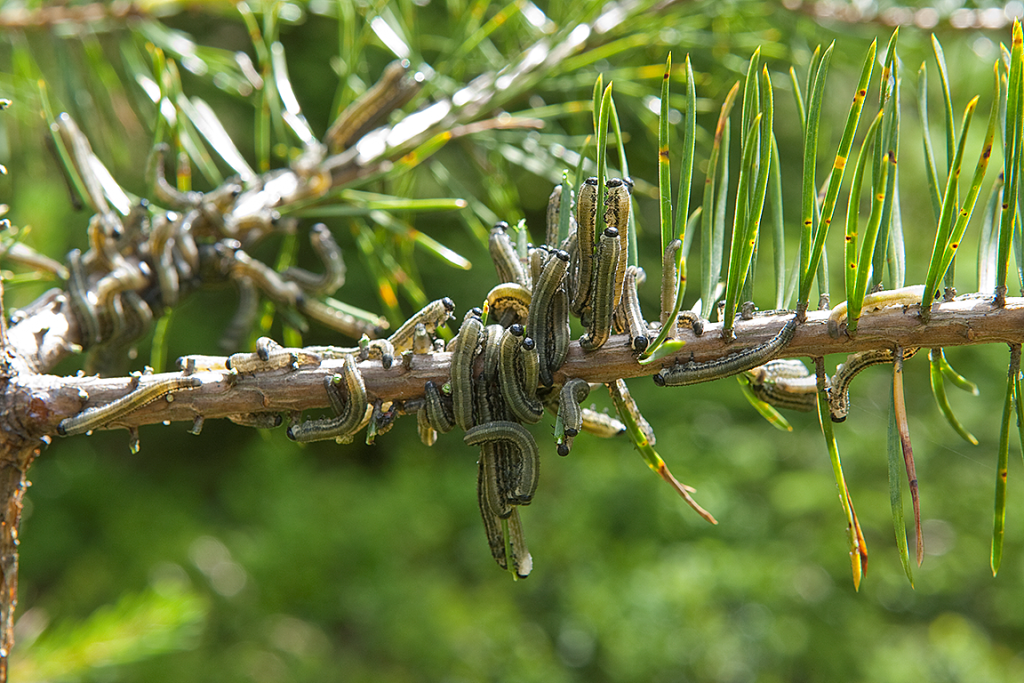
506,359
519,341
145,257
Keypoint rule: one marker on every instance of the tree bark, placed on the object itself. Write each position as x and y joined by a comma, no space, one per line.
17,451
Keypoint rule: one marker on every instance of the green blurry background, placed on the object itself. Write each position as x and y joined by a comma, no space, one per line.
241,556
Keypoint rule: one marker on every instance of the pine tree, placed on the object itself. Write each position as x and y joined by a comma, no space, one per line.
412,134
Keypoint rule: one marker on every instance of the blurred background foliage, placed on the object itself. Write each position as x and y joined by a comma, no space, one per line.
241,556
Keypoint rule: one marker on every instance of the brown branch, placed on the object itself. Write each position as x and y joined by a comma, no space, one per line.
94,15
922,17
967,321
17,451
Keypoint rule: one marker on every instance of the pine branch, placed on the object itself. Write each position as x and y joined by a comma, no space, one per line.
967,321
